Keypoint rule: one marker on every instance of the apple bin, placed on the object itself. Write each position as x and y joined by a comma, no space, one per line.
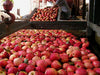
46,52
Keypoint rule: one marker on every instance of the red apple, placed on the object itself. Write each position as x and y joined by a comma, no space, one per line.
88,65
9,65
12,70
91,72
64,57
62,72
22,66
79,65
81,71
22,73
11,74
29,56
96,64
40,68
84,57
29,68
90,54
35,58
17,48
54,56
33,73
50,71
93,58
17,61
86,61
70,73
48,62
56,64
71,68
75,59
31,62
12,56
84,52
41,63
65,65
21,53
97,70
3,62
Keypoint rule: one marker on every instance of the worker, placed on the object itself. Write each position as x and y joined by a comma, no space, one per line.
65,9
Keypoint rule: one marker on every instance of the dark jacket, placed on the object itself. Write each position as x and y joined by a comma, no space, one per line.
64,6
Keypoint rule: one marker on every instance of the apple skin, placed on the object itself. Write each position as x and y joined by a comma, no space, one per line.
50,71
11,74
83,40
29,68
41,63
76,53
56,64
61,72
84,57
54,56
90,54
9,65
12,70
17,48
22,73
71,68
29,56
91,72
96,64
79,65
31,62
93,58
35,58
75,59
86,60
3,63
48,62
65,65
64,57
17,61
21,53
81,71
40,68
70,73
33,73
97,70
88,65
1,50
22,66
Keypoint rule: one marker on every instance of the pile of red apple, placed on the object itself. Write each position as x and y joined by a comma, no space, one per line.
46,52
46,14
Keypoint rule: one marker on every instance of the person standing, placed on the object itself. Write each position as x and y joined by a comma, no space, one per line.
65,9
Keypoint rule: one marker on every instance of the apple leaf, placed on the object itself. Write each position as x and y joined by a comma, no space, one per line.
26,61
67,42
21,56
17,73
